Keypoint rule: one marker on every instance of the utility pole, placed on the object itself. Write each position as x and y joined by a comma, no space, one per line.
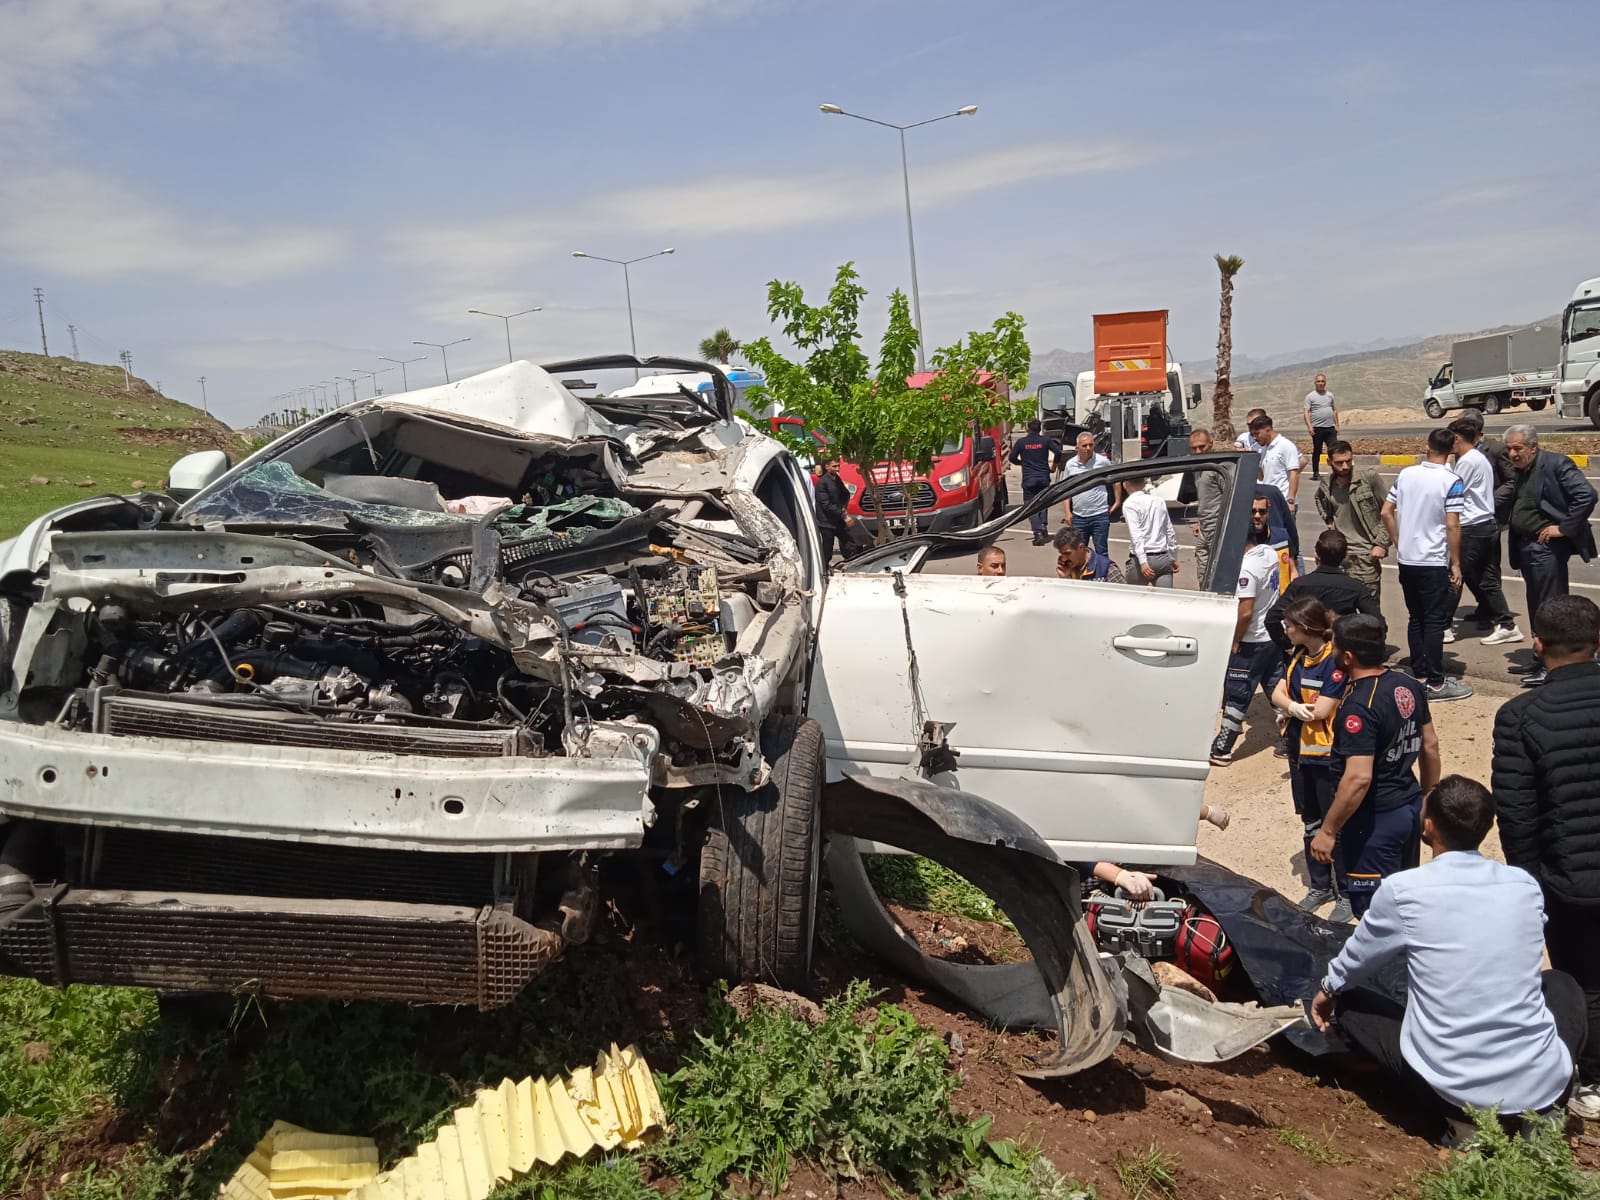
204,406
127,369
72,332
38,299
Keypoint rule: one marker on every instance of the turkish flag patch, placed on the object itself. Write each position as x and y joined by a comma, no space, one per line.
1337,675
1352,724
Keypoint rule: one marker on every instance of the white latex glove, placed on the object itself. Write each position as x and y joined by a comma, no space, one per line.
1218,815
1138,885
1301,712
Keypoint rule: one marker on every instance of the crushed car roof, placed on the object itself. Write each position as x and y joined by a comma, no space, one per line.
518,396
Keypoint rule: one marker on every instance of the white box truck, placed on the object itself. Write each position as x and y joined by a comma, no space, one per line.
1580,354
1496,371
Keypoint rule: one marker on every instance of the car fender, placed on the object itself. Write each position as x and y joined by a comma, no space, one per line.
1064,988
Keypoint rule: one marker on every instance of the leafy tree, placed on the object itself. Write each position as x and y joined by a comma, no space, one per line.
1222,396
719,347
888,431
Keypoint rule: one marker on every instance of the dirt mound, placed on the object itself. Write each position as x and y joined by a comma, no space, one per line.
193,439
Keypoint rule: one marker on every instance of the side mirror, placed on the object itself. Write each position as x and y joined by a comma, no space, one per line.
984,450
195,471
1194,396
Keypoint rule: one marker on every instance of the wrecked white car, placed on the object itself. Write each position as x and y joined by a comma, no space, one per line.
361,715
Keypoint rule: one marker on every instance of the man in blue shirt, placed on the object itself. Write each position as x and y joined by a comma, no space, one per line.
1040,457
1090,511
1482,1027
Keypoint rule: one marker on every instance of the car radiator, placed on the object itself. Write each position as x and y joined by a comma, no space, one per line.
139,714
408,953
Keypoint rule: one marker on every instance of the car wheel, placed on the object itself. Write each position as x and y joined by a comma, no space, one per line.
1537,404
1593,405
1491,405
760,865
1433,408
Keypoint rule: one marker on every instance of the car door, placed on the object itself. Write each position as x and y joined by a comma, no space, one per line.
1087,709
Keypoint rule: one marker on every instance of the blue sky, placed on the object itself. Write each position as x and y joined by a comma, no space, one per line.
271,194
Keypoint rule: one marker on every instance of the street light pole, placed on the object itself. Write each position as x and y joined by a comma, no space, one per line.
442,347
204,406
506,317
905,179
627,287
405,384
352,383
372,377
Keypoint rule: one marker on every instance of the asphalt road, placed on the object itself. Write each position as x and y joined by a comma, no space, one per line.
1548,421
1466,656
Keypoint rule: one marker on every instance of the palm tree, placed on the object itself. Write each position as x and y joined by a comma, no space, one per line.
1222,396
719,347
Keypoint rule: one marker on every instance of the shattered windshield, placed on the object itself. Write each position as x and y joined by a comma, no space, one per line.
270,493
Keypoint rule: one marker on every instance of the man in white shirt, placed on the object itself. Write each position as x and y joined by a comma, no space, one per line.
1244,441
1153,543
1090,511
1280,471
1423,516
1481,1027
1480,536
1255,660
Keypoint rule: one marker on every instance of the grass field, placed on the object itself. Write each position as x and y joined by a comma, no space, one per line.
73,425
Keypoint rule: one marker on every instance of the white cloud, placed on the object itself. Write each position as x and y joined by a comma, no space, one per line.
496,24
49,47
77,223
270,353
483,251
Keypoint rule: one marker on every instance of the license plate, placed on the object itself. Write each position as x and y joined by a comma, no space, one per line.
897,523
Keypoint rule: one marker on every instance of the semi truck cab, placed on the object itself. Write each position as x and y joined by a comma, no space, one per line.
1580,354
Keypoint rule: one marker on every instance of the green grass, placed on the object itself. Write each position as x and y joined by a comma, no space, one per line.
855,1097
128,1101
922,883
1148,1173
1500,1167
63,420
1320,1151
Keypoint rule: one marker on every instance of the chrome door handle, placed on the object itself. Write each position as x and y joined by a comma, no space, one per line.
1158,645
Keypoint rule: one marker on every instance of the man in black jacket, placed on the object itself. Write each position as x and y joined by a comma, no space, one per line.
1340,593
833,516
1546,779
1549,519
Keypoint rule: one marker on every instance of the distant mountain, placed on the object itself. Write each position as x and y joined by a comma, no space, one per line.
1385,373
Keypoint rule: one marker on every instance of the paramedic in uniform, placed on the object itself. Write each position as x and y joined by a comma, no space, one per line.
1382,735
1039,455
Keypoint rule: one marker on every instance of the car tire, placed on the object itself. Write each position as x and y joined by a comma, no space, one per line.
1491,405
1537,404
1592,406
1433,408
760,864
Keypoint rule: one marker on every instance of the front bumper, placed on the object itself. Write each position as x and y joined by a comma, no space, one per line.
936,520
337,797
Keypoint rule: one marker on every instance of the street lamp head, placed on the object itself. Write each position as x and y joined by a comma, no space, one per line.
481,313
579,254
668,250
967,110
831,109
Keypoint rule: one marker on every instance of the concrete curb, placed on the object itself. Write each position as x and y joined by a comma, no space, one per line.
1410,460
